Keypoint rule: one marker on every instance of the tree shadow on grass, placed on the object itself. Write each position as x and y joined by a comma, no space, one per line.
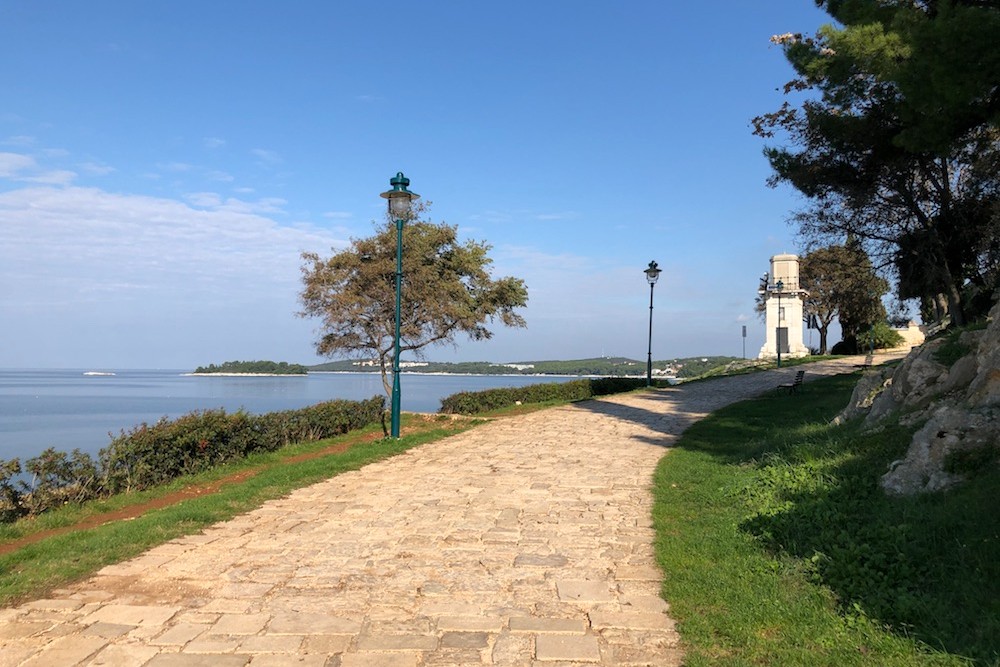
929,567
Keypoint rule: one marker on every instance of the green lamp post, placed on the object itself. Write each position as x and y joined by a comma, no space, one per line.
652,274
399,209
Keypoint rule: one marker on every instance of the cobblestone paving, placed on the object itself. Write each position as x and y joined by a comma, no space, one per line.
527,541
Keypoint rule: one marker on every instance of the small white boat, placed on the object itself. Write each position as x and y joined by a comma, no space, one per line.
99,373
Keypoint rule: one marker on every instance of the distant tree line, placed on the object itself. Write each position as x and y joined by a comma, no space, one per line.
601,366
269,367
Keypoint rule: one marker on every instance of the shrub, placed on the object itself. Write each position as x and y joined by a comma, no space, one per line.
882,335
57,479
474,402
149,455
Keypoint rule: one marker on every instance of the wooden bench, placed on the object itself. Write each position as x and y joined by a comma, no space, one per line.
866,364
794,385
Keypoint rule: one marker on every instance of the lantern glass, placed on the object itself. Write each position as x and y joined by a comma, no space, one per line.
652,273
399,206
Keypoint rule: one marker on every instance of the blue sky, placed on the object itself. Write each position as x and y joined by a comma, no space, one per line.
163,165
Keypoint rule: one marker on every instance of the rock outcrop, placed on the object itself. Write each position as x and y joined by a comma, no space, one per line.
959,405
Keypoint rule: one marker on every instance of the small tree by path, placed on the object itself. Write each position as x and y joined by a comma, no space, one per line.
447,291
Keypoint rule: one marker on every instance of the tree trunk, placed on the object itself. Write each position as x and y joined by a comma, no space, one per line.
822,338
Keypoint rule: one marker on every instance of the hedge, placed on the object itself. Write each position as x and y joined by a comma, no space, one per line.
474,402
146,456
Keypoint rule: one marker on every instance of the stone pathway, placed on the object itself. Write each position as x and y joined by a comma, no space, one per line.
526,541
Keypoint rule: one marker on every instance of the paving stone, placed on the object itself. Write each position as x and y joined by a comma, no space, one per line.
54,605
326,644
540,560
288,661
187,660
125,614
552,648
383,642
638,573
469,623
375,659
207,643
584,591
240,624
16,629
630,620
66,651
271,644
549,625
312,623
13,655
123,655
179,635
465,640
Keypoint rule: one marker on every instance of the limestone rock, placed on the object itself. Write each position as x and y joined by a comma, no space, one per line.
868,389
985,389
961,405
949,431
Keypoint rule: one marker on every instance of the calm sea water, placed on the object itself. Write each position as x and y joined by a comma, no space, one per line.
66,409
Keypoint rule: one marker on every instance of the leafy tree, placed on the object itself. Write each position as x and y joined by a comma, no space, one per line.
447,291
901,145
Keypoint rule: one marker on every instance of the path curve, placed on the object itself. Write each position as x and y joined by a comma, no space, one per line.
526,541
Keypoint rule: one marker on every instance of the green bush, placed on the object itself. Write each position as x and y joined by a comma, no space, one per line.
475,402
150,455
883,336
146,456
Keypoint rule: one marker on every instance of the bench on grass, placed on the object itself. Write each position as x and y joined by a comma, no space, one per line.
866,364
794,385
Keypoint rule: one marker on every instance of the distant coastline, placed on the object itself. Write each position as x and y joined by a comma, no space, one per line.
251,375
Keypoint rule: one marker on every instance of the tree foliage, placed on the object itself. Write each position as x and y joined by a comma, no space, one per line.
842,284
899,143
263,367
447,291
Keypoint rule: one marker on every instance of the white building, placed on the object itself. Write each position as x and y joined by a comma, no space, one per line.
784,301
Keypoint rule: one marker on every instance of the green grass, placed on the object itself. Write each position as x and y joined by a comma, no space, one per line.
36,568
780,548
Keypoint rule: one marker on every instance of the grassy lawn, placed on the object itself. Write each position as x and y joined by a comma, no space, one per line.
780,548
32,570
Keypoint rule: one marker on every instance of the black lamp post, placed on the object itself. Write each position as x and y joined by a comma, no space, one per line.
652,274
399,208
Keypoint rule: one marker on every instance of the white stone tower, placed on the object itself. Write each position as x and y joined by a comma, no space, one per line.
784,300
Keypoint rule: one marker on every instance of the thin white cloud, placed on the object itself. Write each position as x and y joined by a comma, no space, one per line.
338,215
568,215
213,142
178,167
220,176
266,156
59,242
24,168
13,164
96,168
204,199
54,177
20,140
